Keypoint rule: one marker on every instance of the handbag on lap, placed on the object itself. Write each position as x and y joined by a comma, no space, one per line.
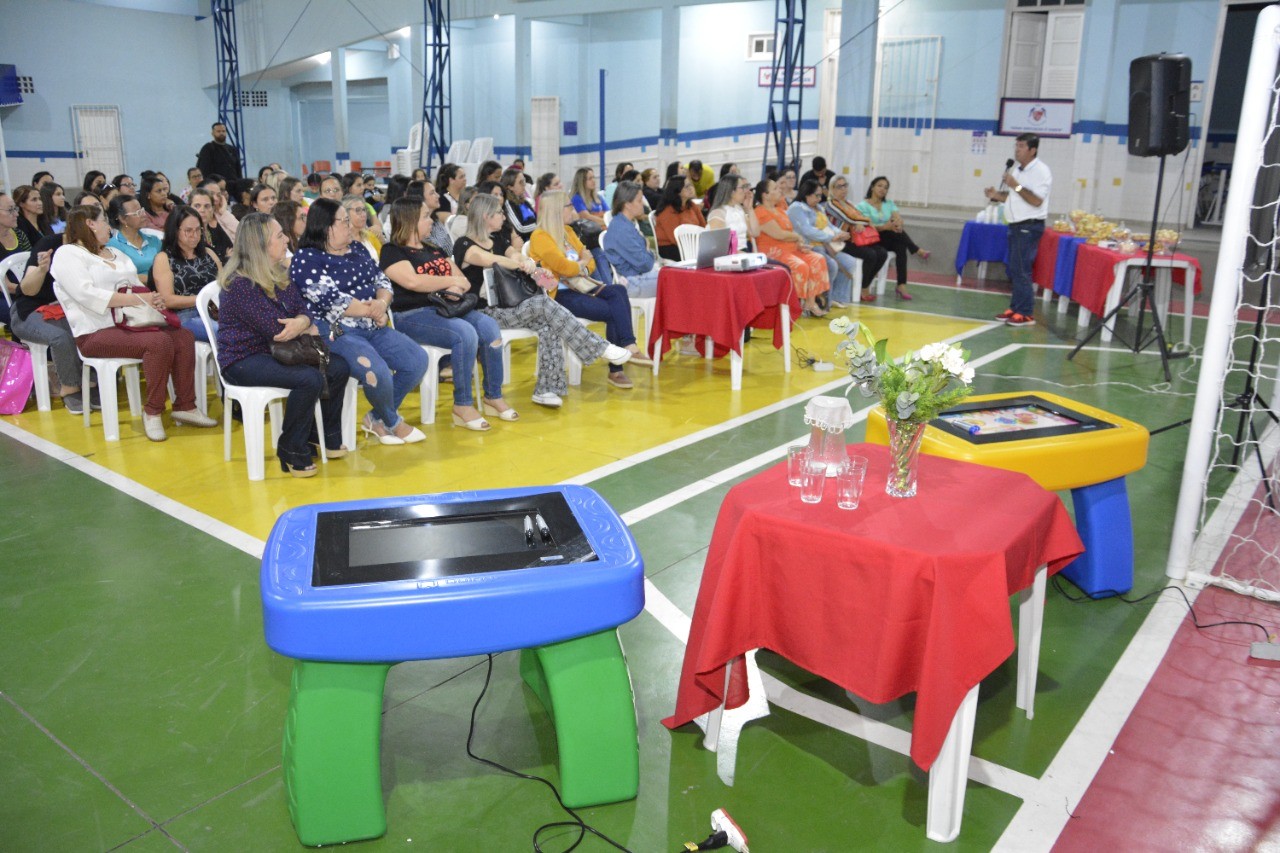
142,317
511,287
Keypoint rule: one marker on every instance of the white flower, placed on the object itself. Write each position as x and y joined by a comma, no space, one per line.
933,352
966,375
841,325
953,361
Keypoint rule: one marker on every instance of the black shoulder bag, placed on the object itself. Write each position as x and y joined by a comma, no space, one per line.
511,287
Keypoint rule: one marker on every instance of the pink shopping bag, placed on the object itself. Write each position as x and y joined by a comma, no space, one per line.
16,378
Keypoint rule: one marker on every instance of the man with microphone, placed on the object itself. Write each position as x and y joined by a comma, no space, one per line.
1026,206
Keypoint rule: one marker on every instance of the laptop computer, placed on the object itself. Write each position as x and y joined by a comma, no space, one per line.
712,243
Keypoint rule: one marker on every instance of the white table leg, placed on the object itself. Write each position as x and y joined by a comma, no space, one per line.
1062,304
723,727
1188,305
709,348
1046,294
657,355
982,270
735,371
1030,626
1082,319
949,775
784,317
959,281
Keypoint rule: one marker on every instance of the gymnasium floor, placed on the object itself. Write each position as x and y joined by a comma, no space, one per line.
142,710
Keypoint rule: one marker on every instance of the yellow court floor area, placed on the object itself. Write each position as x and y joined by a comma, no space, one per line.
598,425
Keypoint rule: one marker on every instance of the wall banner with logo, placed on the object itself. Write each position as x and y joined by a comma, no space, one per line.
1047,118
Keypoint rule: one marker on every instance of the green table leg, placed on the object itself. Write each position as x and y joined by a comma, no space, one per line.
332,738
585,687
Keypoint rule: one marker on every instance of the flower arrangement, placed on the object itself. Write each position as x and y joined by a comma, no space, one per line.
913,390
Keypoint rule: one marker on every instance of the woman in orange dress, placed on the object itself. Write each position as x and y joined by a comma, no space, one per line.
780,242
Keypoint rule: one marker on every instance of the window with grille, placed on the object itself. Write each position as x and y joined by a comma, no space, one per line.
26,85
760,47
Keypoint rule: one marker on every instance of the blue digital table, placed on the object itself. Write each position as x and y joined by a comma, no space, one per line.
349,589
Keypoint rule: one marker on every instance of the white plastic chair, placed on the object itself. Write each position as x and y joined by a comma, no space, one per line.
642,307
508,335
154,232
458,151
107,368
430,393
252,398
687,237
15,264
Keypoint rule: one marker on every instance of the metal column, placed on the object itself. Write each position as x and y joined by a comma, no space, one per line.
437,80
782,148
228,63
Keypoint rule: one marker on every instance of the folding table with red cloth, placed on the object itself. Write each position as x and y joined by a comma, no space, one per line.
721,305
899,595
1099,281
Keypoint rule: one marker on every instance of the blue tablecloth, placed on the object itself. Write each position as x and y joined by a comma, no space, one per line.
982,242
1064,271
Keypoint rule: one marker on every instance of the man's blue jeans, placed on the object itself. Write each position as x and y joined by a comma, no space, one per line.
1024,240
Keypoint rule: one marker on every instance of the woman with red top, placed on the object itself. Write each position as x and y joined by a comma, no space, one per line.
156,206
677,208
779,240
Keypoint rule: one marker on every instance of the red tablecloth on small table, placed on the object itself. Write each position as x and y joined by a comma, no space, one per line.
720,305
895,596
1096,273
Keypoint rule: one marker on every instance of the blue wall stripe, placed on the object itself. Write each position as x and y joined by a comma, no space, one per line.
41,155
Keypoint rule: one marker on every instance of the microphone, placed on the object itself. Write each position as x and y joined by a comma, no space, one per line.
1008,164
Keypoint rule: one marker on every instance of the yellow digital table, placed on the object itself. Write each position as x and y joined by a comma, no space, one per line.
1061,444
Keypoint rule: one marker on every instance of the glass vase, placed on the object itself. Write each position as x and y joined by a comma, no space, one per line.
904,458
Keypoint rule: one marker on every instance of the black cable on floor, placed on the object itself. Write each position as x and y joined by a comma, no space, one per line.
577,822
1077,599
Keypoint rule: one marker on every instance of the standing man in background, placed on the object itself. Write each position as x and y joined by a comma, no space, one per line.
1026,206
219,158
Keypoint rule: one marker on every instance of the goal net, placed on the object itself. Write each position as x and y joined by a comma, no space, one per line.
1227,526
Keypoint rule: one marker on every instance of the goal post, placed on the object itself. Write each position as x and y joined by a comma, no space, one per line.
1210,441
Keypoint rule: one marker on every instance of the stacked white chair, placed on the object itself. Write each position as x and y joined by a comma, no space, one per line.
15,264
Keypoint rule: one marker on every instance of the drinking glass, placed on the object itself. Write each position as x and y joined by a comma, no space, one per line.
797,455
849,481
814,477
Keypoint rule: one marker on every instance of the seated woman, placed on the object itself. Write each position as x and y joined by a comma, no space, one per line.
348,297
419,174
558,250
36,316
677,208
293,221
886,219
450,181
331,188
625,245
53,204
86,273
156,204
417,267
185,264
520,211
358,210
619,175
810,221
779,241
590,209
457,226
257,307
847,218
262,199
485,245
126,216
490,170
786,186
651,181
94,181
30,208
214,234
292,189
548,181
729,209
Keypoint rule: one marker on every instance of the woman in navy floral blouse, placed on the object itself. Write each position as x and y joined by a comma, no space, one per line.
257,306
349,296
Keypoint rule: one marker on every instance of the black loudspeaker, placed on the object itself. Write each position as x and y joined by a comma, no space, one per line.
1159,104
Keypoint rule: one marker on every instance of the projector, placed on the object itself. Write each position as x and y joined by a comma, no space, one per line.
741,262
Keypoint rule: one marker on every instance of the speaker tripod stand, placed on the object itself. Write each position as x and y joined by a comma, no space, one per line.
1143,291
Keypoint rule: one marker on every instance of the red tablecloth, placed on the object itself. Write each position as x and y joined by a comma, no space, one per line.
1096,273
895,596
1046,259
720,305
